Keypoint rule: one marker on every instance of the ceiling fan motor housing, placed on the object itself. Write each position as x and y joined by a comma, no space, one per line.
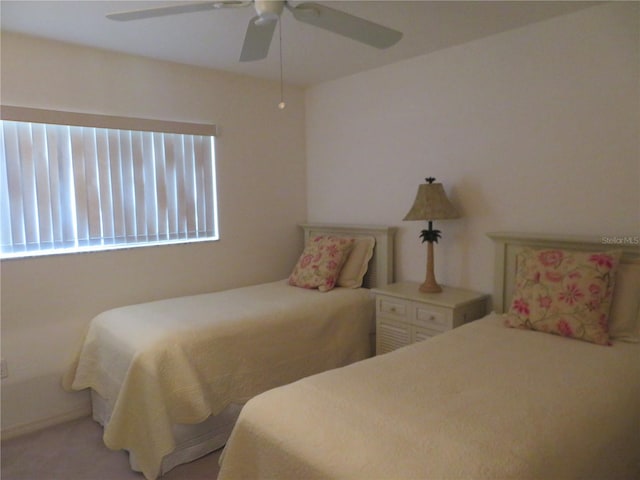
268,10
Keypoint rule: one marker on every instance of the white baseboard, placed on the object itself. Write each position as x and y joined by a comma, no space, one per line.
19,430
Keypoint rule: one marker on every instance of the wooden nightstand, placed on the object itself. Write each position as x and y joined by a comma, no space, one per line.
404,315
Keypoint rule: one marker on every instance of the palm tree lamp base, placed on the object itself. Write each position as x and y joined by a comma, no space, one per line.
430,285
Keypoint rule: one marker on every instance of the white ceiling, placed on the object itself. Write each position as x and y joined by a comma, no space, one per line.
311,55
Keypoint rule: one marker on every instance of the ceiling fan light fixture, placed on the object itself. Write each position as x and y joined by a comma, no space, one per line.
271,8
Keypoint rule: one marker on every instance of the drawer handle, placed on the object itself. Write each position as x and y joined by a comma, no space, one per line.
393,309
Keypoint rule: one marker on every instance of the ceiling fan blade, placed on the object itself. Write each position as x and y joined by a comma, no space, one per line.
175,9
257,39
342,23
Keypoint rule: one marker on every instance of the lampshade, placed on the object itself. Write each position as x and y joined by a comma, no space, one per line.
431,203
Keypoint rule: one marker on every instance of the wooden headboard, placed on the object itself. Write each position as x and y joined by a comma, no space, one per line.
380,271
508,244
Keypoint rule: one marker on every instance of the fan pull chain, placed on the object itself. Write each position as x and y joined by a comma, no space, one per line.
281,105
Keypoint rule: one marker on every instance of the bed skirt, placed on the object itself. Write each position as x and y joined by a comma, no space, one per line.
192,441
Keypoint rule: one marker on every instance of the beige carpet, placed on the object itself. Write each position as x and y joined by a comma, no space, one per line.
74,451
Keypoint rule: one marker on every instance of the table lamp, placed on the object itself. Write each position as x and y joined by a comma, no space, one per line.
431,203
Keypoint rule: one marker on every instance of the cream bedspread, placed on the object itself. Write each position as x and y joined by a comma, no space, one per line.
183,359
482,401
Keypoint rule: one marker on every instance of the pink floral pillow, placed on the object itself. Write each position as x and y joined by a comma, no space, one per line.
563,292
321,262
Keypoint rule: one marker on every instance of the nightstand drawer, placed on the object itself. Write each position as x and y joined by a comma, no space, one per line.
391,307
433,317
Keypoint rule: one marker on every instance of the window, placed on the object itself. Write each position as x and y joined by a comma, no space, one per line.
74,182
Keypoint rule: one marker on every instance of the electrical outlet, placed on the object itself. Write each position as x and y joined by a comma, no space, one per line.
4,371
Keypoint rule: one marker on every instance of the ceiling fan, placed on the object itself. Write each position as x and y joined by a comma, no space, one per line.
261,27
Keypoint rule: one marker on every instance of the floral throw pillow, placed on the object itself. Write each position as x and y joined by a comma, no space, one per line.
320,263
563,292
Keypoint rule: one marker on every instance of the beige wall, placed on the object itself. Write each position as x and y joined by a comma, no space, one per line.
534,130
46,302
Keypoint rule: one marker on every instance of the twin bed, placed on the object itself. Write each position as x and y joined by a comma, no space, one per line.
483,400
168,378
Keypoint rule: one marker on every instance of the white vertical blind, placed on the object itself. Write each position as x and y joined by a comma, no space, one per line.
75,187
